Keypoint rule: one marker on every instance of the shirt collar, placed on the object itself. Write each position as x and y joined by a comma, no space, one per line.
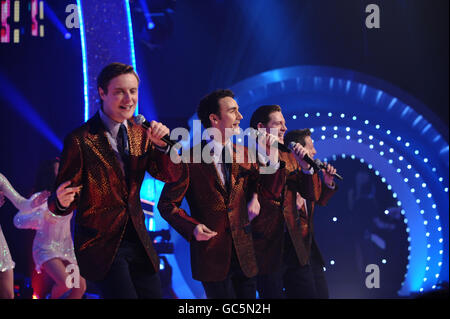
111,125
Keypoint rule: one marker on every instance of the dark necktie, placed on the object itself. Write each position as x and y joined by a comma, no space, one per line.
226,162
122,145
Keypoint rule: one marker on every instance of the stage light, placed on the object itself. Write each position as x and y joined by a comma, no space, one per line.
318,114
330,114
407,144
381,143
354,118
342,115
306,114
425,222
56,22
331,262
383,261
324,128
294,117
334,219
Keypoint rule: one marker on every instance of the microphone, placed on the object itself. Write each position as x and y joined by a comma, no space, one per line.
279,146
320,164
306,158
140,120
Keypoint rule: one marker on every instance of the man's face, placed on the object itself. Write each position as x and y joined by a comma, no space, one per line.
121,99
309,146
229,117
276,121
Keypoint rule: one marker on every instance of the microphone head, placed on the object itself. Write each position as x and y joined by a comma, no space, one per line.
292,145
139,119
319,162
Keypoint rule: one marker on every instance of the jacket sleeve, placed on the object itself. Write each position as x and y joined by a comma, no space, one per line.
70,169
169,206
161,166
326,194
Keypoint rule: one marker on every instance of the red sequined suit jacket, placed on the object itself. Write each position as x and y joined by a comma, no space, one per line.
108,201
278,216
221,211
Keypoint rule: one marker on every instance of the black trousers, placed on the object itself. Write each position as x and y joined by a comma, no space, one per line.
305,282
131,275
299,282
235,286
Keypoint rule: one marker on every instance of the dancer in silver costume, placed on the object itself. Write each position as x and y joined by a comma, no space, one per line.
53,251
6,262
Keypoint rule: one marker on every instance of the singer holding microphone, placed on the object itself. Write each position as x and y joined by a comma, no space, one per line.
280,245
102,168
306,278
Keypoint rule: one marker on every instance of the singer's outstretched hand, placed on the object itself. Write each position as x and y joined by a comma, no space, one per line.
156,131
66,194
328,175
299,153
203,233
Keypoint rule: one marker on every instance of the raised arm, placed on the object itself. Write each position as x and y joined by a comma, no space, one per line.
9,192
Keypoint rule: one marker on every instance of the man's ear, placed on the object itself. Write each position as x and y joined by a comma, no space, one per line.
213,118
260,125
101,93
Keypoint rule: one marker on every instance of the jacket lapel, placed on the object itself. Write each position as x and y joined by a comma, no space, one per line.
100,145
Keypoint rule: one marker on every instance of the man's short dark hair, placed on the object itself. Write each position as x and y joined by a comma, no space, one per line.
111,71
262,115
210,105
297,136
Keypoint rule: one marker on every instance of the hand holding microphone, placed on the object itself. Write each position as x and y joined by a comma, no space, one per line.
301,155
329,170
158,132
